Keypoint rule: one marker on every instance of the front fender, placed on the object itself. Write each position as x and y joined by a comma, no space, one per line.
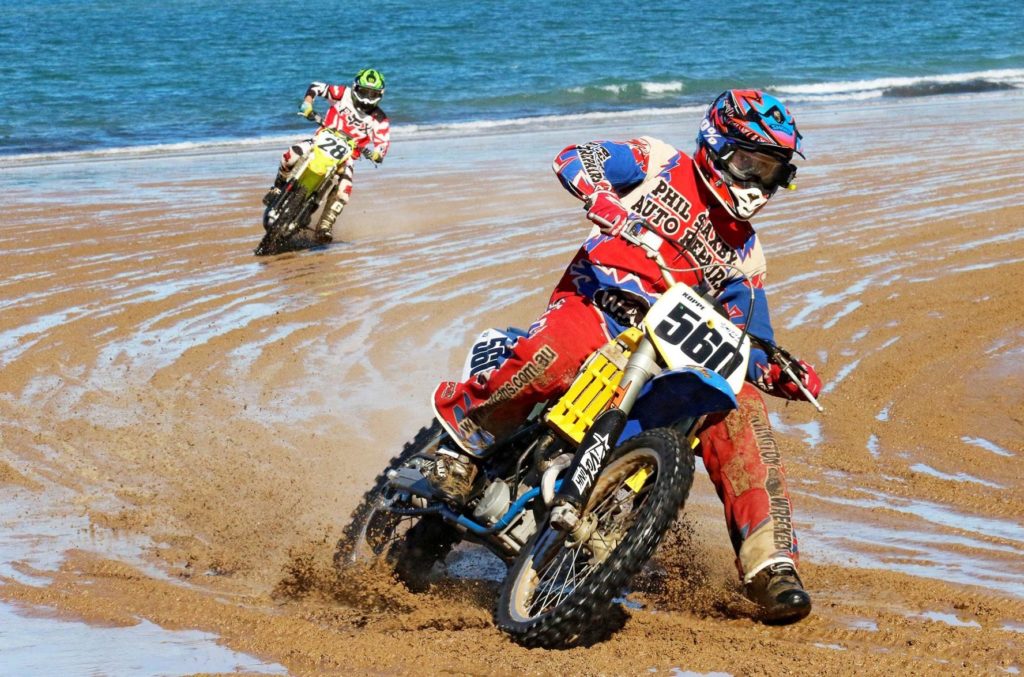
674,394
319,166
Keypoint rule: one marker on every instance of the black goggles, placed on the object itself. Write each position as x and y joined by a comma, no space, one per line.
771,171
369,93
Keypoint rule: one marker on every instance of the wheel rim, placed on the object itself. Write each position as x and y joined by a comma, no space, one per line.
560,566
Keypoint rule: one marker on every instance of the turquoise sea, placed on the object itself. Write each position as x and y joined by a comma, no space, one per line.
79,75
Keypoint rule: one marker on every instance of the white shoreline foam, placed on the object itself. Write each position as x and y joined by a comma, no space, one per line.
1009,76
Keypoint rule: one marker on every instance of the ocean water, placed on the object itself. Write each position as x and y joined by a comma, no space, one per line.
95,75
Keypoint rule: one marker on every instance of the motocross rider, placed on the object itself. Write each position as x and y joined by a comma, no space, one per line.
355,111
698,212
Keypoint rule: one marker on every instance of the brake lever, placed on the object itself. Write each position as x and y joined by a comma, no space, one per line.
312,116
791,368
631,233
367,154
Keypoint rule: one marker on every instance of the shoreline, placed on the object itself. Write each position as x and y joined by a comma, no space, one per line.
479,129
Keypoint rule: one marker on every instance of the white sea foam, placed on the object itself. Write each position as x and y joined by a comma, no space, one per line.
650,88
827,98
846,87
658,88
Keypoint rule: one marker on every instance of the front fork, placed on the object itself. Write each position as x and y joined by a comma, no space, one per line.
602,436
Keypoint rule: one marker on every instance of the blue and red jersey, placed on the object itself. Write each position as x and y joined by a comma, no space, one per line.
698,239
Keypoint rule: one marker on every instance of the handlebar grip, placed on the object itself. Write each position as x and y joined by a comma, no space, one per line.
789,365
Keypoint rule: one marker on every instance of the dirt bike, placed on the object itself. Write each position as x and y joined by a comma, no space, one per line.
308,183
577,498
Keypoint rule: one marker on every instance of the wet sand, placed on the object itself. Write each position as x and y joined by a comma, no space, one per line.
185,427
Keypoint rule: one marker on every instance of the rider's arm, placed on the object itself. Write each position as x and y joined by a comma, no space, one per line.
735,296
600,165
381,137
736,299
314,90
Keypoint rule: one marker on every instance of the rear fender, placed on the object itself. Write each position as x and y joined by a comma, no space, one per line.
674,394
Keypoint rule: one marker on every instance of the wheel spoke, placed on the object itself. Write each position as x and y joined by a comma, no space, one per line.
548,583
564,568
567,578
610,496
568,584
559,578
383,529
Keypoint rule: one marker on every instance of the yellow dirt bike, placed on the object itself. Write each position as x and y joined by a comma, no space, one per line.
309,182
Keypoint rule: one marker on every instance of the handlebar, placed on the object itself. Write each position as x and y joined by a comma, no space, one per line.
313,116
789,366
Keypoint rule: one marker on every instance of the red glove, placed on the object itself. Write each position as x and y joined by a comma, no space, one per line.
780,384
604,209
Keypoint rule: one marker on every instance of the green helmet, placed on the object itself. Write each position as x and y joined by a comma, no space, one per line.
368,88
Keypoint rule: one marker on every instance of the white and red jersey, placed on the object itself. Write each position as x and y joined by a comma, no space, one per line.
370,130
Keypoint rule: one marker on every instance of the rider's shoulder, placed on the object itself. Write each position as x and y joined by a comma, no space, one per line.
651,143
661,153
328,91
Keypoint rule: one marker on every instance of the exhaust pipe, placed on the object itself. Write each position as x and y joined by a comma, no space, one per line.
547,480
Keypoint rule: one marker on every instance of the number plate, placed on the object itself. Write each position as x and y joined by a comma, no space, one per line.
688,332
489,351
329,143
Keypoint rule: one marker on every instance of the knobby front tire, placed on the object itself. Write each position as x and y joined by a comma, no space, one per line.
289,207
557,592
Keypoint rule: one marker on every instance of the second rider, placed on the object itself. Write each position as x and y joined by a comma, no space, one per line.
356,111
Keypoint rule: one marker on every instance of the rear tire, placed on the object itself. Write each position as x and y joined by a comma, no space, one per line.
411,544
556,592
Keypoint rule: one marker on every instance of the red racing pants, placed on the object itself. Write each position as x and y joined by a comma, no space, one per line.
745,465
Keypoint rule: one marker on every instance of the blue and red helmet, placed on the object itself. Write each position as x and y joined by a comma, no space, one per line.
745,145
